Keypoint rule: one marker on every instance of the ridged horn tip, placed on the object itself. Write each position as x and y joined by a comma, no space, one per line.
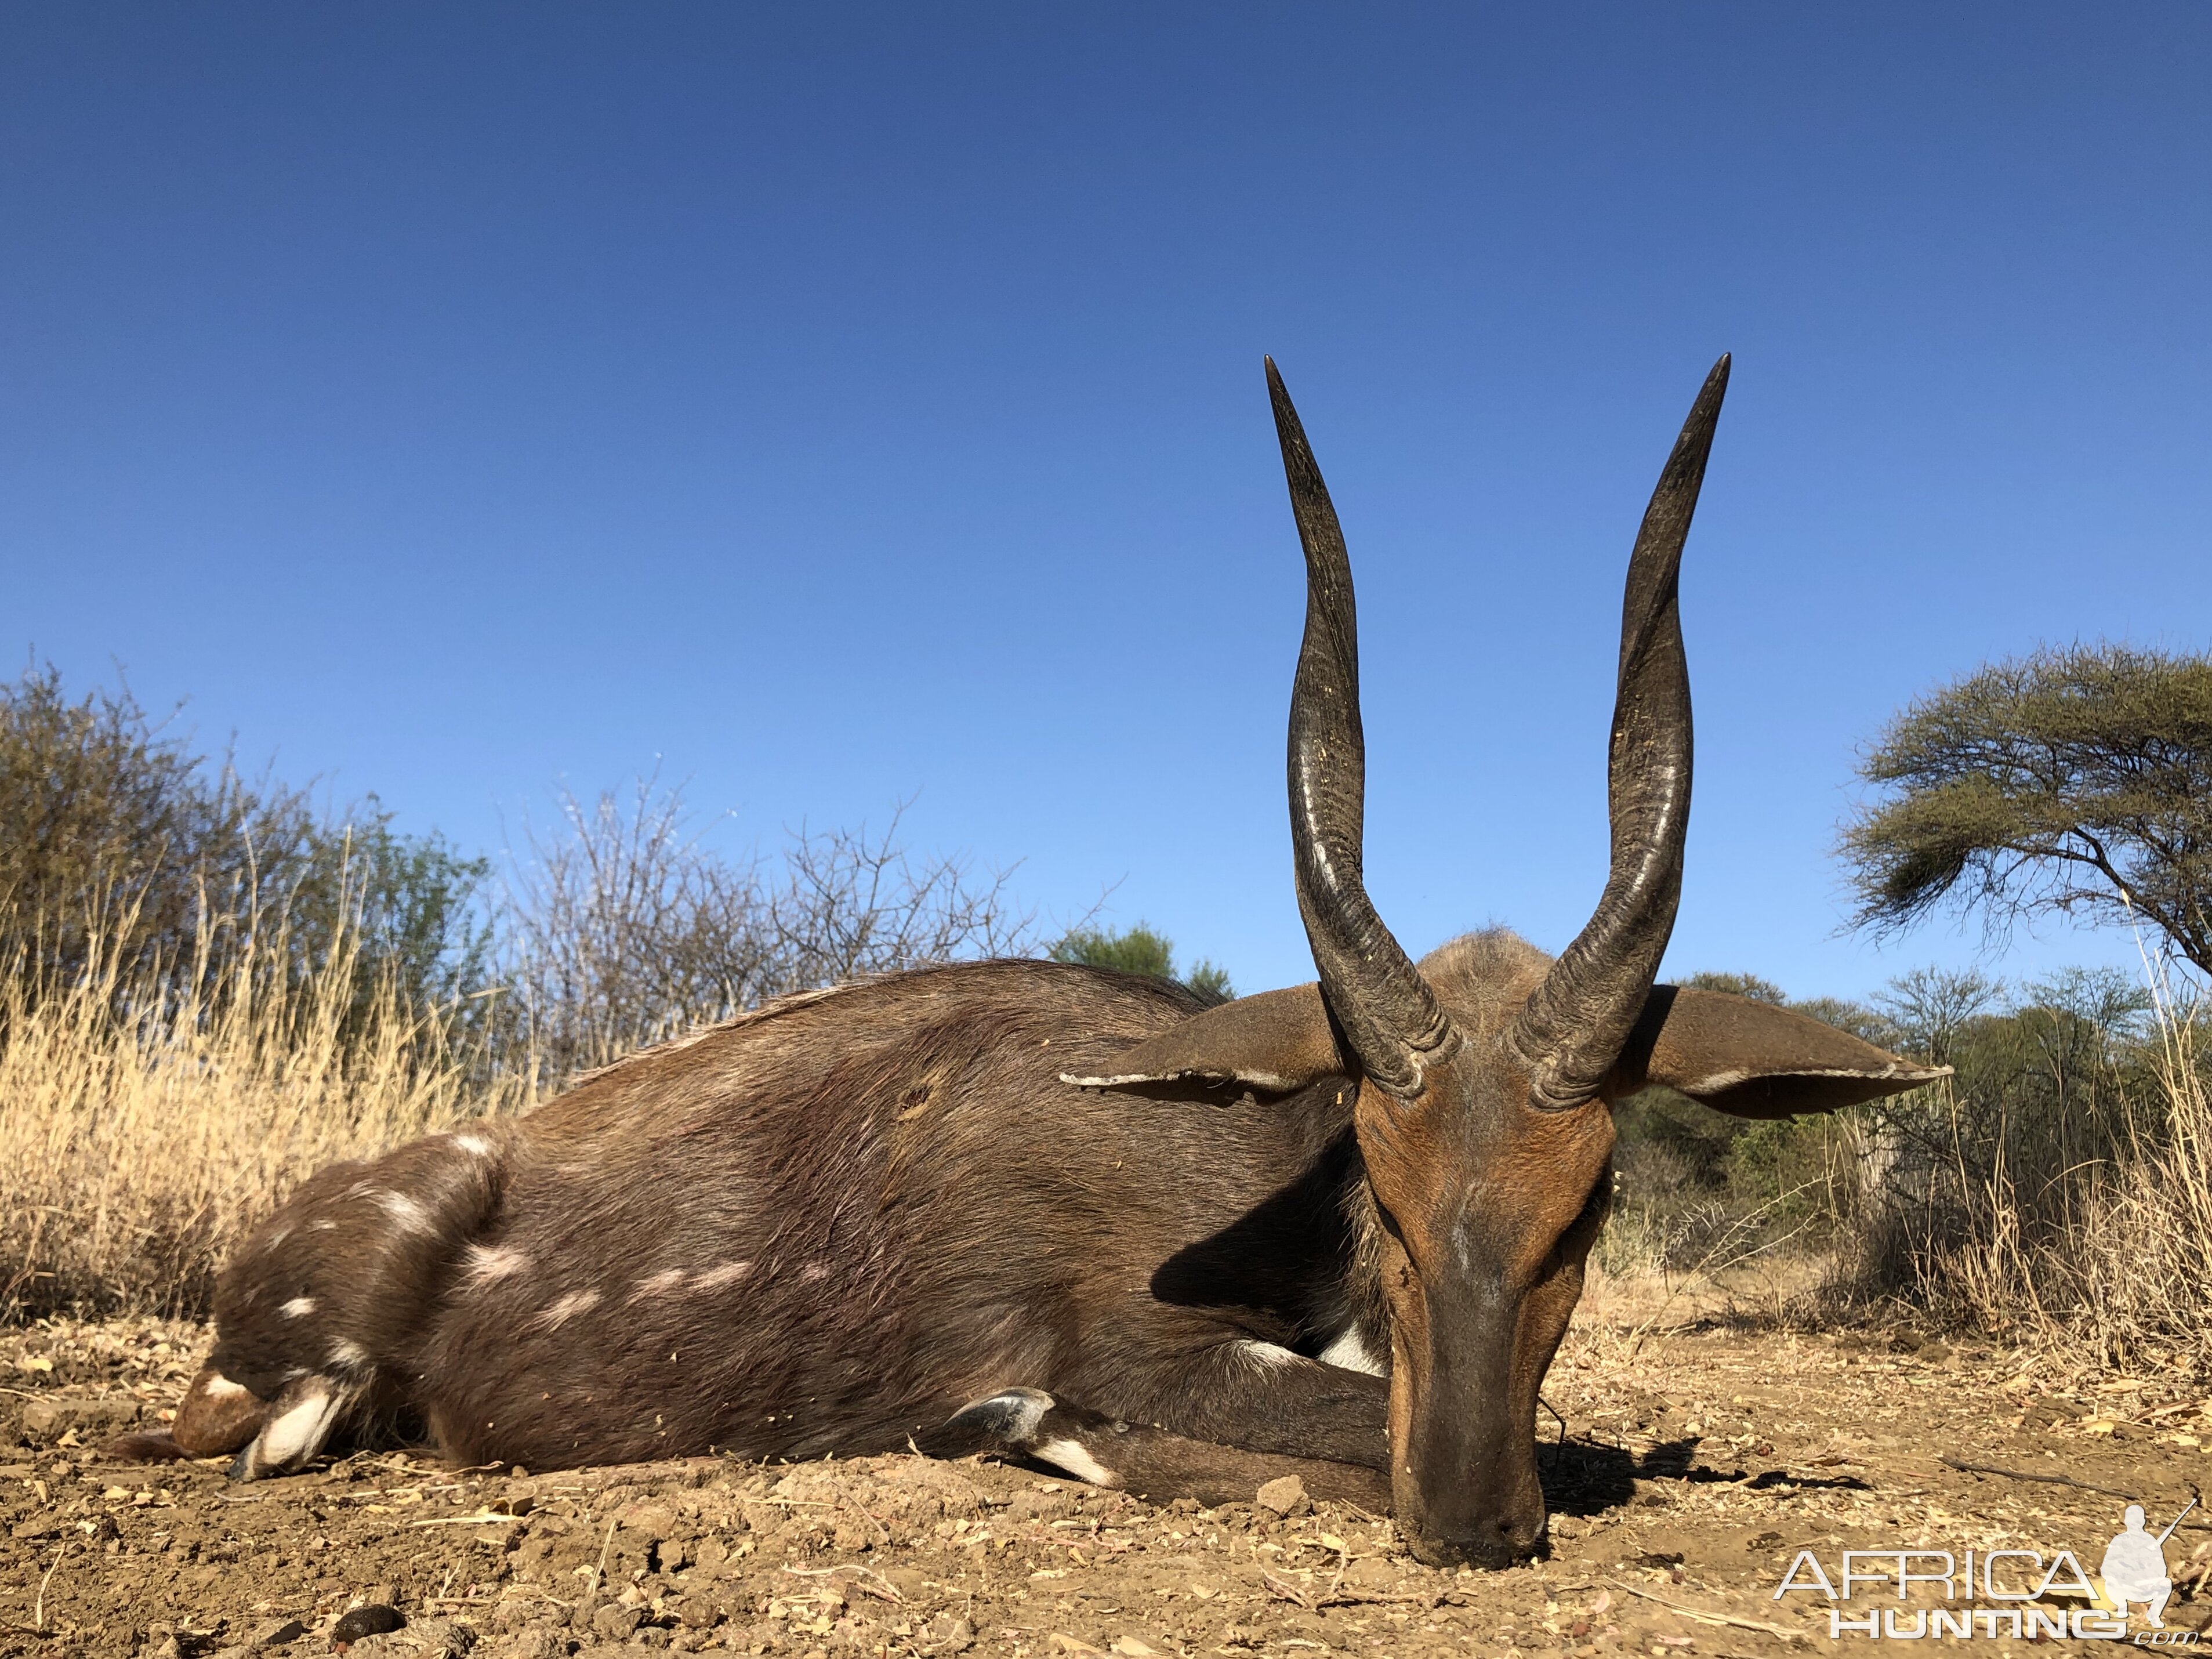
1572,1027
1389,1014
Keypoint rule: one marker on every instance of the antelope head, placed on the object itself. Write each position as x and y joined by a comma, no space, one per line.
1486,1074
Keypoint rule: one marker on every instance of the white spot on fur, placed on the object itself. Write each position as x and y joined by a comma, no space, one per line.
298,1308
474,1146
1267,1356
217,1386
667,1282
298,1431
714,1278
486,1262
567,1309
326,1225
813,1271
1069,1455
276,1239
347,1356
408,1212
1350,1352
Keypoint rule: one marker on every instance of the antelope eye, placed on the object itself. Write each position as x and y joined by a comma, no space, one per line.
1594,1205
1600,1196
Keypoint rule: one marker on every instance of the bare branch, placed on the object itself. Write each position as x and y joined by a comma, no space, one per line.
623,928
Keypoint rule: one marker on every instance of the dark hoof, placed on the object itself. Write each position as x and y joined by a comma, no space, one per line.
1013,1415
1004,1422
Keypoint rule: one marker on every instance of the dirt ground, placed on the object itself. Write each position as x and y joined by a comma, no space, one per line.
1691,1467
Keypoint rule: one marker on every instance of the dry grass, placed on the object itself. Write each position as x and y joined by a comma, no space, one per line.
2132,1280
153,1106
2083,1227
143,1128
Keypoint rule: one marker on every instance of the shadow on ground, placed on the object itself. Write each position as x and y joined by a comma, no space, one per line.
1586,1478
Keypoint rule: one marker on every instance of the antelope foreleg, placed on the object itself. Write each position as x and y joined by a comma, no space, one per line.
1151,1463
1234,1391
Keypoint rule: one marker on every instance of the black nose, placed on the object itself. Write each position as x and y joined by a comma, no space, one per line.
1509,1540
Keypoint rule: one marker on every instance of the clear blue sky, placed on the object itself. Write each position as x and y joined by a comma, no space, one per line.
838,404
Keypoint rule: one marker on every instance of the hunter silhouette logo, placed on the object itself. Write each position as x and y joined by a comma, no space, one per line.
2134,1568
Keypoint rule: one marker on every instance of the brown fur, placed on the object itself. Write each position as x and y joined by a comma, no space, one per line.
1062,1211
852,1220
830,1225
924,1213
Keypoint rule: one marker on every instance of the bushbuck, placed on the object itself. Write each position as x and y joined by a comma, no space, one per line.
1064,1213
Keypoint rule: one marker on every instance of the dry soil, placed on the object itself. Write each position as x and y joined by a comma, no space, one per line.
1685,1472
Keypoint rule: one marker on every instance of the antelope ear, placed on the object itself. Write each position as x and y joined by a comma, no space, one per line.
1277,1042
1754,1060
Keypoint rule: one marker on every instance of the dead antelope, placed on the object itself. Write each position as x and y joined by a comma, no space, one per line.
1062,1212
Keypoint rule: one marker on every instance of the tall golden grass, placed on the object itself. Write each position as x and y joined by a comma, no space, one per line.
2131,1280
2081,1223
146,1125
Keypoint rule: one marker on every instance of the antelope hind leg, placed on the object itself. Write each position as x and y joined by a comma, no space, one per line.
270,1437
1152,1463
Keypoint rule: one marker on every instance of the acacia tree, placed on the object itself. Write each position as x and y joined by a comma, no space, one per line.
2076,780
